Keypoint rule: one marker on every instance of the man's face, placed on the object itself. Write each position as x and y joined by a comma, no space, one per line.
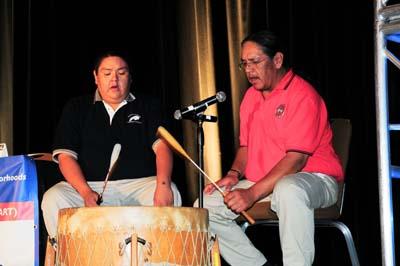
260,69
113,80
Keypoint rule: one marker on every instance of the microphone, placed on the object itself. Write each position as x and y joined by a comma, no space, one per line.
192,110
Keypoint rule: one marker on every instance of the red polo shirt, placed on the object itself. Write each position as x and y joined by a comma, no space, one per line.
293,117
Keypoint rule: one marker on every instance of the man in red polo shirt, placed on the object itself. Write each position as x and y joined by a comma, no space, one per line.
285,155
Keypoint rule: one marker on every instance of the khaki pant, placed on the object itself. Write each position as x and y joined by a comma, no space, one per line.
127,192
294,199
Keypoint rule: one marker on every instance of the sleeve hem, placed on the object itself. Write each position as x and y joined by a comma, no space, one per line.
155,144
59,151
299,151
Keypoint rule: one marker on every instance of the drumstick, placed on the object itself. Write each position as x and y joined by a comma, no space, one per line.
174,144
114,157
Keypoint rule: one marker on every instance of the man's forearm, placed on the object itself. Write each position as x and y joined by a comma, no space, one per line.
164,163
73,174
239,164
293,162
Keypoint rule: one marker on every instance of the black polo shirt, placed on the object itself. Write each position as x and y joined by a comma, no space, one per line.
85,131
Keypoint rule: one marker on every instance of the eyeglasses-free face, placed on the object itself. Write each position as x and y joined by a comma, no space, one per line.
113,80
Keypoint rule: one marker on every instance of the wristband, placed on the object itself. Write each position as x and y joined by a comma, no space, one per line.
236,171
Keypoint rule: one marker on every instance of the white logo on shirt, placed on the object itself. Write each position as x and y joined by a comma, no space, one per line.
134,119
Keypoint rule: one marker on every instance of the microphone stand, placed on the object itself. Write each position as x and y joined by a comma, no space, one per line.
199,119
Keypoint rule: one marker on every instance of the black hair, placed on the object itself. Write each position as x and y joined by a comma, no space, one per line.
269,42
102,56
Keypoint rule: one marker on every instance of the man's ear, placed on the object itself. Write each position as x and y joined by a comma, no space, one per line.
95,77
278,60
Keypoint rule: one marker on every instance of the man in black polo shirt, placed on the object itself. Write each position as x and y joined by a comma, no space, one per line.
89,128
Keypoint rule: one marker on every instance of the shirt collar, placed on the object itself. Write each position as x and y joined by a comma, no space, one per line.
285,81
97,97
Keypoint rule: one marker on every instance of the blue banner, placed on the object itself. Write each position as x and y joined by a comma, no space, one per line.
19,212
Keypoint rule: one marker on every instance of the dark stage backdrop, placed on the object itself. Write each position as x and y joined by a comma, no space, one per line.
330,44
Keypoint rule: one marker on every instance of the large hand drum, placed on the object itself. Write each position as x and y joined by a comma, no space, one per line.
166,236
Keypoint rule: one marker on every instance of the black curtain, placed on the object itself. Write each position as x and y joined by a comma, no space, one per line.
55,49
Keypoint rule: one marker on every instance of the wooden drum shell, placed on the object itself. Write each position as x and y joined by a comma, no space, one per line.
94,236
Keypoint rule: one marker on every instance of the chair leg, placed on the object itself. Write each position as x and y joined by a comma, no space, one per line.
347,236
321,223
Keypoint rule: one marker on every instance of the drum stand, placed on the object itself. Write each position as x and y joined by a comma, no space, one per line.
199,119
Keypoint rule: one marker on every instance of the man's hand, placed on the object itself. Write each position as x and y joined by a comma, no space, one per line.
239,200
228,182
90,198
163,196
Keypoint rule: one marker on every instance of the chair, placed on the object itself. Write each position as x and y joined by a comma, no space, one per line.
324,217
